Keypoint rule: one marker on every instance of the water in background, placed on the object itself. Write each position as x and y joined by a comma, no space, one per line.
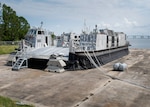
139,43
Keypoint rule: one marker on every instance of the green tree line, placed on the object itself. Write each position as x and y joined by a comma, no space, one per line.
12,27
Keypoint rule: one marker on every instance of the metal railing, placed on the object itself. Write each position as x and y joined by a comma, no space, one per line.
9,42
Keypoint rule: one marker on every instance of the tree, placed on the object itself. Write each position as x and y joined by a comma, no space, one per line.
1,31
23,27
13,26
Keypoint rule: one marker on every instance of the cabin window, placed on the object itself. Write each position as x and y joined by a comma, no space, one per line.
40,32
113,40
102,31
75,37
31,32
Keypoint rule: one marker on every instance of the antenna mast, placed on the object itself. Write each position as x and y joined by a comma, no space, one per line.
85,29
84,25
41,24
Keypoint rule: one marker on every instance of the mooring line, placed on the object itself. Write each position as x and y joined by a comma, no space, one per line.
112,77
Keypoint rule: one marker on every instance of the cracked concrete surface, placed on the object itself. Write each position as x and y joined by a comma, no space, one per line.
85,88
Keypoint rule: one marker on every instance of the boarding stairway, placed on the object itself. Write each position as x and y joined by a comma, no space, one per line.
20,63
21,60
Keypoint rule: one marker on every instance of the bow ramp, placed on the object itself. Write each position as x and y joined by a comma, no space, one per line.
41,57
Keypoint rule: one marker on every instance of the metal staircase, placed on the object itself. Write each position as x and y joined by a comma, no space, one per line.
21,59
20,63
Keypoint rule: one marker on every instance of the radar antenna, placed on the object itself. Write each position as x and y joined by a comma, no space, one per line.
41,24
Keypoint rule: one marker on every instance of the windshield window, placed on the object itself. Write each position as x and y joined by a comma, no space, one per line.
32,32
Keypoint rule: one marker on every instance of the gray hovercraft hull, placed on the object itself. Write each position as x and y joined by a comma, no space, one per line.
80,60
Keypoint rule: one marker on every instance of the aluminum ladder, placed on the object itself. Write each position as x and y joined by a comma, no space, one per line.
21,62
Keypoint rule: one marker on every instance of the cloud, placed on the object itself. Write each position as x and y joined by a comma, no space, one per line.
70,14
117,25
130,23
104,25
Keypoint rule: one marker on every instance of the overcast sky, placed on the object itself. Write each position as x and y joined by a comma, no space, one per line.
129,16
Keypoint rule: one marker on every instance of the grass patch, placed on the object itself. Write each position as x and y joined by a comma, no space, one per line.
7,102
7,49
